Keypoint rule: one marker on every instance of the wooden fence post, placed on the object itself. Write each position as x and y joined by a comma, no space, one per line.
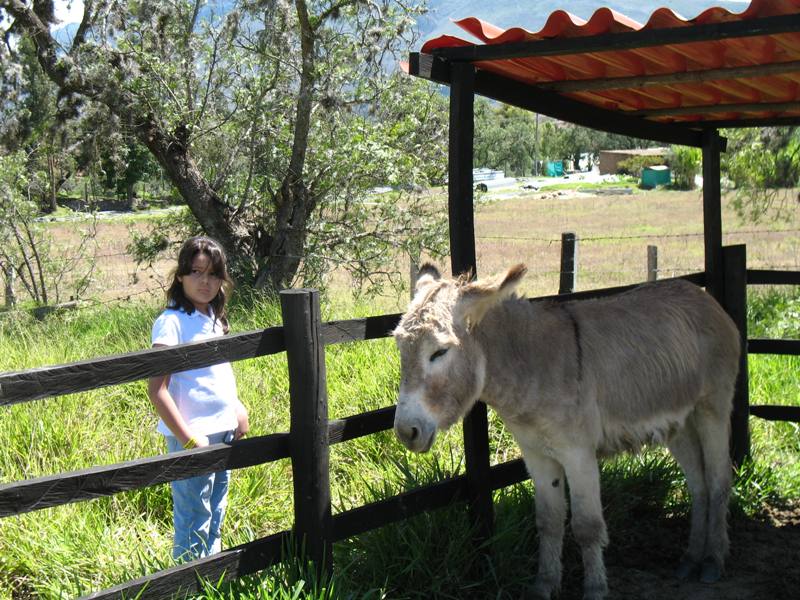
569,263
735,302
308,428
652,263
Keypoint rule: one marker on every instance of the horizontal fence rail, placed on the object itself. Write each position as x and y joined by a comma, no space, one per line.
255,556
776,413
82,376
123,368
772,277
772,346
767,346
88,484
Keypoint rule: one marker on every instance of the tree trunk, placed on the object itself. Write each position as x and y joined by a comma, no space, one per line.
289,238
130,196
53,191
205,204
295,201
11,297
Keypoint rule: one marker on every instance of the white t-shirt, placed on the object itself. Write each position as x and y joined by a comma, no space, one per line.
206,397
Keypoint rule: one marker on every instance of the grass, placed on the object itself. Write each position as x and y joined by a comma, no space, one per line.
69,550
73,549
585,186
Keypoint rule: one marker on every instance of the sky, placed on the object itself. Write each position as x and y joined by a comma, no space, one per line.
70,11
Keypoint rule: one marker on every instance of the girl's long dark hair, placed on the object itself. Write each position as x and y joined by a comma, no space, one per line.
176,298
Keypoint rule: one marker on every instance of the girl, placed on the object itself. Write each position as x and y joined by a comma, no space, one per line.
197,407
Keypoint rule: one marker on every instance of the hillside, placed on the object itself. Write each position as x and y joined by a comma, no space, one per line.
532,15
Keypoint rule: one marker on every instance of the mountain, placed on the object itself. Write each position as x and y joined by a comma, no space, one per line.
532,14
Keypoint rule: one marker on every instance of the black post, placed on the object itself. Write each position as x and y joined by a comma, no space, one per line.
310,452
569,263
462,257
735,261
712,213
459,187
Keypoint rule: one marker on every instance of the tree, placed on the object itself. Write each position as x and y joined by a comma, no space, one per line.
256,115
32,122
505,137
685,163
125,165
26,248
764,166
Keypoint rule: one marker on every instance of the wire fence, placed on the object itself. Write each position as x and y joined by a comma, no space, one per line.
603,260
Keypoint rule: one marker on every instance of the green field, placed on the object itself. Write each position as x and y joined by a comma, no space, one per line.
74,549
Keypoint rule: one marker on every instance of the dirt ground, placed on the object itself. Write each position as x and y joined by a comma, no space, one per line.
764,562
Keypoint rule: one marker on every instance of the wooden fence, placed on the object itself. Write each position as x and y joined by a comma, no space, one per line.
304,337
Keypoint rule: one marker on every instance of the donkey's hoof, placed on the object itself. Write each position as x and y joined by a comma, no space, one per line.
595,592
710,571
544,589
687,569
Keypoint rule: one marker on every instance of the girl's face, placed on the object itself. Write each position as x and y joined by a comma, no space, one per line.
201,284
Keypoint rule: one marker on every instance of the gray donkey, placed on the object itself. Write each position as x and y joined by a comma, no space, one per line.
574,381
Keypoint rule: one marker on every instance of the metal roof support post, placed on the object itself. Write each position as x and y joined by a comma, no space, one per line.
712,213
462,258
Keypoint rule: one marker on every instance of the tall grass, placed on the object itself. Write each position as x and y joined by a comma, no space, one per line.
69,550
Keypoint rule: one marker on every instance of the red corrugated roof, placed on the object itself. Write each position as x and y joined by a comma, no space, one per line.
717,96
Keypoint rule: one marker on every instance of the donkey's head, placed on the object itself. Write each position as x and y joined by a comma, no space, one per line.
442,368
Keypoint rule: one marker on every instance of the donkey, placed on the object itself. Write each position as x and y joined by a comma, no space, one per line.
574,381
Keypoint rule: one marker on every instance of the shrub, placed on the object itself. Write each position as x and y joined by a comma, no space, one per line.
635,165
685,163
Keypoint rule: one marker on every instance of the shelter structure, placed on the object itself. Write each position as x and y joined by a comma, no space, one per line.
610,159
672,80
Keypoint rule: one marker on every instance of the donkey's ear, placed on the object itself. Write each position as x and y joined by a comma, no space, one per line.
427,275
478,297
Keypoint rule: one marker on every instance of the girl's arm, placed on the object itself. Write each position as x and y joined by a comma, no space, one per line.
168,411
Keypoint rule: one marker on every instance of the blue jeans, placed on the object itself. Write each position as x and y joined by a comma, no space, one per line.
198,507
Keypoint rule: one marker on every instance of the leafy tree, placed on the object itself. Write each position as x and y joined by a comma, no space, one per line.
764,166
265,116
505,138
685,163
27,249
635,165
125,165
31,122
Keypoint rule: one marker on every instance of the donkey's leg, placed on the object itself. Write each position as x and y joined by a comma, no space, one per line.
588,525
687,450
713,428
548,478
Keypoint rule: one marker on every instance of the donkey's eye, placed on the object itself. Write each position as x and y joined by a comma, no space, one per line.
439,353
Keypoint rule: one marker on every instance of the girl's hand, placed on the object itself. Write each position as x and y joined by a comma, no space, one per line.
200,441
243,425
